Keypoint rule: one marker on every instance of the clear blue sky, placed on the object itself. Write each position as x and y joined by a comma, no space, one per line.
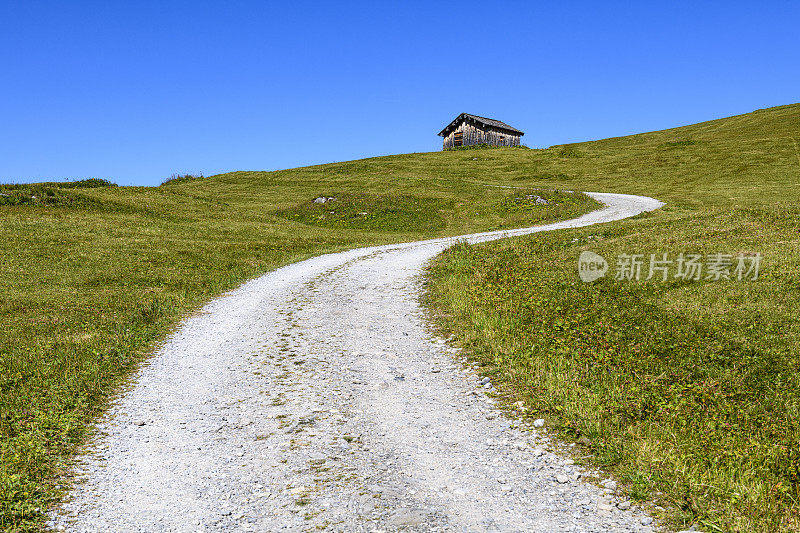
135,91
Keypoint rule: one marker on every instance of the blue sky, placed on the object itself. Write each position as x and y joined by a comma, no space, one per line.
136,91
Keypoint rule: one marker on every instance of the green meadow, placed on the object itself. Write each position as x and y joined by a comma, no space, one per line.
93,276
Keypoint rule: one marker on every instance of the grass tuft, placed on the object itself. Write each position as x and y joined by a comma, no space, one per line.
385,213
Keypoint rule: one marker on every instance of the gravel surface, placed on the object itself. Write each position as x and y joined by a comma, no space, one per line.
315,397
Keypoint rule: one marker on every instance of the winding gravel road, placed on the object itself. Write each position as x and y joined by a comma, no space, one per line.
315,397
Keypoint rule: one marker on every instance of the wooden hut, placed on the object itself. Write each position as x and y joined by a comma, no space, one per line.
468,129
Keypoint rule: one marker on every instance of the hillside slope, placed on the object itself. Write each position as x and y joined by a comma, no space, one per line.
91,276
687,388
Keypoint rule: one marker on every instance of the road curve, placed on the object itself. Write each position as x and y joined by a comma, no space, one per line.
315,397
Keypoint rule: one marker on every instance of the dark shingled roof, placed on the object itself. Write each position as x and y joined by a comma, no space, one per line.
483,120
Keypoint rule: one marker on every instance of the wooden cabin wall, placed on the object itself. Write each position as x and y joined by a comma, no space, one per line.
498,137
475,134
448,141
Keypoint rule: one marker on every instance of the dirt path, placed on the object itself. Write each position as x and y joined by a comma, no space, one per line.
314,397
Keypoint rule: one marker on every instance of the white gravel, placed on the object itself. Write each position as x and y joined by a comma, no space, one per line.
314,396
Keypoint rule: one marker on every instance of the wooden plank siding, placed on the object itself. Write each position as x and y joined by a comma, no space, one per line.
473,133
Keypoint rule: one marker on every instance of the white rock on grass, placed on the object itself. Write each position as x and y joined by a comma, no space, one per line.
610,484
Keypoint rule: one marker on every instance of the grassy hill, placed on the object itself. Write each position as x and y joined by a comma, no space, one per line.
92,275
687,390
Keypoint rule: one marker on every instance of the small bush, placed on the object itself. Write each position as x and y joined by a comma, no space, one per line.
182,178
482,146
91,183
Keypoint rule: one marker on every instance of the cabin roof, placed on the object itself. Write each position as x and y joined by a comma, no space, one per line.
483,120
